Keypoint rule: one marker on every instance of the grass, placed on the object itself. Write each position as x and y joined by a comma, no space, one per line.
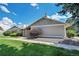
19,48
11,43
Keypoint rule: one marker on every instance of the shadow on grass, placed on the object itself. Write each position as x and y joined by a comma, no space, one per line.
5,50
29,49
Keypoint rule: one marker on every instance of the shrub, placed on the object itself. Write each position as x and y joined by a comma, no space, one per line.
71,33
19,34
13,34
6,33
35,32
77,34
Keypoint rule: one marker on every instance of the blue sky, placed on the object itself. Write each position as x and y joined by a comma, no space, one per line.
27,13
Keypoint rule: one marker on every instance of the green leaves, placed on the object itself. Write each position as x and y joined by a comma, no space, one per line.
72,8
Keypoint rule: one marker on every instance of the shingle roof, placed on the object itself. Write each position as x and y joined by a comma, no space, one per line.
45,17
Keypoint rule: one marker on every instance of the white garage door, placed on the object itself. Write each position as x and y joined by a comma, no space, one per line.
52,31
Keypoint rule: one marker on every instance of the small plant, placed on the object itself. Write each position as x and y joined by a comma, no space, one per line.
19,34
78,34
35,32
13,34
71,32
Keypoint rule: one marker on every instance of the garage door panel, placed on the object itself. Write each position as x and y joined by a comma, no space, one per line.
53,31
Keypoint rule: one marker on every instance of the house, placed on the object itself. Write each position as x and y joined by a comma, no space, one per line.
49,27
15,29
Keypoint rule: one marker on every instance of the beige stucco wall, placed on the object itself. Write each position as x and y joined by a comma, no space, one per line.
25,33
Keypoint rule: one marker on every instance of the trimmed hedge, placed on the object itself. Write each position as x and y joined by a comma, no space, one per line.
10,33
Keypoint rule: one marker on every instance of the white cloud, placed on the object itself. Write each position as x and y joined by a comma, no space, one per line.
14,13
6,4
24,26
4,9
6,23
19,23
68,15
48,17
59,17
35,5
14,23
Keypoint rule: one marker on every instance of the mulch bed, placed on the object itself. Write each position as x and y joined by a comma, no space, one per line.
70,42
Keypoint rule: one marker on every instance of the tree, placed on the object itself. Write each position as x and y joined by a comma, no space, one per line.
1,28
72,8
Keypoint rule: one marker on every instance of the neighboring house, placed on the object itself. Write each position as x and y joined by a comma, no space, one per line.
15,29
1,31
49,27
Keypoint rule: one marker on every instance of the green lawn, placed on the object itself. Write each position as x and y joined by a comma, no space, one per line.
19,48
